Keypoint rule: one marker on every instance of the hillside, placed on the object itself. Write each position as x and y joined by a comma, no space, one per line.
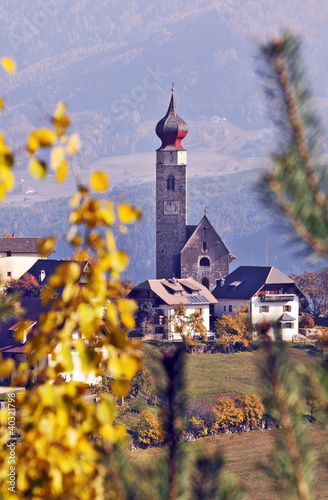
114,65
232,206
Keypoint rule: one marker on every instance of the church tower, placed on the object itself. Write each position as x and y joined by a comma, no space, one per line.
171,193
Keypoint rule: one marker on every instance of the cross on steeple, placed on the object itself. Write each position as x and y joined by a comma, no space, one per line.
205,210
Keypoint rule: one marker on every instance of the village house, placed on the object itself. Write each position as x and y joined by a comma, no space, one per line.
165,294
268,295
17,255
11,348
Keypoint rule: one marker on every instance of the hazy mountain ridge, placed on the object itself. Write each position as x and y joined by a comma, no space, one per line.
97,60
232,206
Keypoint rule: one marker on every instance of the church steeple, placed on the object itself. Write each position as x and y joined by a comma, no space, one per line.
172,128
171,193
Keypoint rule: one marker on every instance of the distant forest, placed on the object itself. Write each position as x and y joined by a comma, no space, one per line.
232,207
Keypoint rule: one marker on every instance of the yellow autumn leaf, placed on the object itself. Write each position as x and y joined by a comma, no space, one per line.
8,64
61,172
106,411
99,181
106,216
2,104
73,144
7,178
42,137
7,367
37,169
121,387
60,119
47,246
128,214
57,156
2,191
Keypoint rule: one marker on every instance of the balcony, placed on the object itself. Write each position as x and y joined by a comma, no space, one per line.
276,298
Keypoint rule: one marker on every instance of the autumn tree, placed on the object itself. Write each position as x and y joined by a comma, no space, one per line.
145,315
26,286
188,326
57,457
226,413
126,285
314,285
252,408
234,329
149,430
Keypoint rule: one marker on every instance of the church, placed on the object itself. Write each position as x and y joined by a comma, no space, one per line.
182,251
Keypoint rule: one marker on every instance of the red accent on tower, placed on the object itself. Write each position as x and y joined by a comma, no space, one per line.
172,128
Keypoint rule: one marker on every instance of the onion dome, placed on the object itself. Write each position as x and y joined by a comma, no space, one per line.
172,128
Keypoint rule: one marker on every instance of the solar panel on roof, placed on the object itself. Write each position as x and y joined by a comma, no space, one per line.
198,299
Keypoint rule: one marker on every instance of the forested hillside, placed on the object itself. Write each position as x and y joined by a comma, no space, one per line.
232,206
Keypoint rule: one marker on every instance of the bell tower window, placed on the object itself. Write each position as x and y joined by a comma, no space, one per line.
171,183
204,262
204,246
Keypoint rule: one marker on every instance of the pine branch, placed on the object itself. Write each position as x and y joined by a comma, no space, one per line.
295,179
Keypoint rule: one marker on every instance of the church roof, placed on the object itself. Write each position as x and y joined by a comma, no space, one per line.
245,281
191,230
176,291
172,128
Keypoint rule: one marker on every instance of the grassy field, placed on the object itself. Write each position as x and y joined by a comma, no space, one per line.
244,455
210,375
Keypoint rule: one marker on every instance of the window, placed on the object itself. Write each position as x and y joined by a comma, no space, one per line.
205,262
287,308
9,253
224,308
287,325
264,309
9,274
230,309
171,183
204,246
199,311
206,283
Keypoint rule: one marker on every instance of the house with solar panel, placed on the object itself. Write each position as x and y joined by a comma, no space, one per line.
165,294
268,294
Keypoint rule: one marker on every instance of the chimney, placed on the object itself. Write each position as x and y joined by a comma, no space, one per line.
42,275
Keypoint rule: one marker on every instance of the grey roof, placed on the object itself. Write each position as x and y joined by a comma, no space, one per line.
287,317
49,267
189,231
251,279
19,245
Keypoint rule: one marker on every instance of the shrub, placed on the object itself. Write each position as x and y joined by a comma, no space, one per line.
226,413
252,408
138,405
307,322
149,429
197,427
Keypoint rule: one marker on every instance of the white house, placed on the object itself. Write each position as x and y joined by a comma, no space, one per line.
164,294
268,294
17,255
